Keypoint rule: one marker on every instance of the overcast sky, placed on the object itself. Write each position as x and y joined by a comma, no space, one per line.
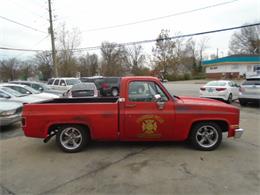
87,15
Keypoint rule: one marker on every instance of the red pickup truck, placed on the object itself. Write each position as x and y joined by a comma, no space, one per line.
144,111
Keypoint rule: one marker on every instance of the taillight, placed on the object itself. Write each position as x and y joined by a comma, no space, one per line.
220,89
202,88
104,85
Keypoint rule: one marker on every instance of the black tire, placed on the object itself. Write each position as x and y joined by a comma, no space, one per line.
72,138
114,92
229,100
242,102
202,140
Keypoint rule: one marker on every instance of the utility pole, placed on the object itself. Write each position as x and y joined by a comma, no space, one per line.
52,41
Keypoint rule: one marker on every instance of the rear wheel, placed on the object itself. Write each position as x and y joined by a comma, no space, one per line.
206,136
72,138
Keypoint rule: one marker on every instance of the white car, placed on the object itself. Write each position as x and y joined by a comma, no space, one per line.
63,84
26,90
10,112
222,90
10,94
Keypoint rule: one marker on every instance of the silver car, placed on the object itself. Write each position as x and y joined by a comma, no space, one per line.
249,91
10,112
82,90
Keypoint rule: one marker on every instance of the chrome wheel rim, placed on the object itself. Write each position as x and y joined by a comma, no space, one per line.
207,136
70,138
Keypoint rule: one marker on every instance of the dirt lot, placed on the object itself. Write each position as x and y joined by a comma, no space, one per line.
30,167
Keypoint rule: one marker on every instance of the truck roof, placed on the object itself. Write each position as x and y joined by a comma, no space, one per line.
140,78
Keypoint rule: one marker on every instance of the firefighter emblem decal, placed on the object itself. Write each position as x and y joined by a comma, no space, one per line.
149,126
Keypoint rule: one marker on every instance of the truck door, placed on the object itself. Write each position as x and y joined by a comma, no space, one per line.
148,113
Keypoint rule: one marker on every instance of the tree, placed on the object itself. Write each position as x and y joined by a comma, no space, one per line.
136,59
43,61
67,42
26,70
88,65
114,59
202,46
245,41
9,69
164,55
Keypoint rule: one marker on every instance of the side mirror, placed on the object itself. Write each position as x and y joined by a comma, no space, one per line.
157,97
62,84
41,89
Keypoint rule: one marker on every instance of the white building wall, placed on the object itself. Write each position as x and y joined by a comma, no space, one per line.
243,69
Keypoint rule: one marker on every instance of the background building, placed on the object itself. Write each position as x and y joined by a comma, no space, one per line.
232,67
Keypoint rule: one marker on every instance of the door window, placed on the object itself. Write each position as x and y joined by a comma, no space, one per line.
144,91
56,82
62,83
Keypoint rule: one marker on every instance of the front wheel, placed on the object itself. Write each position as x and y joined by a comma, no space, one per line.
206,136
72,138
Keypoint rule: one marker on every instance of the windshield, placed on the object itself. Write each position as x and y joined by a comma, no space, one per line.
33,91
72,81
12,92
216,83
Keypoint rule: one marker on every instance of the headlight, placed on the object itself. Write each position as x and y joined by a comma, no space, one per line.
7,113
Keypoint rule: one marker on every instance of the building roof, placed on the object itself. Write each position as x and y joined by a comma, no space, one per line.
234,59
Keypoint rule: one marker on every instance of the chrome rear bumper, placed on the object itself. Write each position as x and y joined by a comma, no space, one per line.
238,133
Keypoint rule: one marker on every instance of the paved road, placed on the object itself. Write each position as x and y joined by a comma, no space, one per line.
30,167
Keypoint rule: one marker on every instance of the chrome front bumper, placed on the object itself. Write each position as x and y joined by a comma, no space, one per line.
238,133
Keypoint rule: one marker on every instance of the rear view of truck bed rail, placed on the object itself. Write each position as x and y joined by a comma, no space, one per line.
80,100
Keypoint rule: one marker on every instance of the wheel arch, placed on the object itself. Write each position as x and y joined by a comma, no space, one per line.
53,127
221,123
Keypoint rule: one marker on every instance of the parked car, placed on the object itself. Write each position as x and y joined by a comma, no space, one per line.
10,94
24,89
10,112
222,90
108,86
82,90
41,87
249,91
63,84
152,114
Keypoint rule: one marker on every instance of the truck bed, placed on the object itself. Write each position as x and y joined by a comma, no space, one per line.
99,115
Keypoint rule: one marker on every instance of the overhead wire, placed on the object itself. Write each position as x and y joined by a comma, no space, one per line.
160,17
23,25
142,41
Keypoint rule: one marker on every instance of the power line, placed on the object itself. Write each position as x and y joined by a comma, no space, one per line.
143,41
24,25
173,37
28,10
159,18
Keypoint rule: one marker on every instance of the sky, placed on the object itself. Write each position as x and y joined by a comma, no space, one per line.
90,17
